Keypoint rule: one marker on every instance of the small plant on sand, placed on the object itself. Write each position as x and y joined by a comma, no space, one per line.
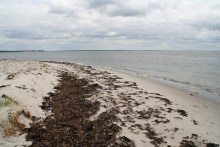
7,101
27,114
8,130
13,124
14,121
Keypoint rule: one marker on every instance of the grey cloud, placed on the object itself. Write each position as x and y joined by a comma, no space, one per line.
62,10
208,21
31,35
215,38
14,34
207,25
101,3
102,34
122,9
126,12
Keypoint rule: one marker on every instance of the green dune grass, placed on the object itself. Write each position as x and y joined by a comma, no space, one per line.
7,101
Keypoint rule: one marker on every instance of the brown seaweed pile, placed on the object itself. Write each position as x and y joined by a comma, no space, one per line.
69,123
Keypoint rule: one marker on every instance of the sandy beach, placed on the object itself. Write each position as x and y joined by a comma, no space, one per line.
64,104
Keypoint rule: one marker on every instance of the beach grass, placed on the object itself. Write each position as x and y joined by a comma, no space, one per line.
7,101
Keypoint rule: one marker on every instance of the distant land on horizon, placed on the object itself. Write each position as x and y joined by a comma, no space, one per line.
22,51
2,51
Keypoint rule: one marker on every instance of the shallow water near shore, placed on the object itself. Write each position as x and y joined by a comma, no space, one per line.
197,71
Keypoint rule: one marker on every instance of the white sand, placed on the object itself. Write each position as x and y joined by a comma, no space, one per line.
36,79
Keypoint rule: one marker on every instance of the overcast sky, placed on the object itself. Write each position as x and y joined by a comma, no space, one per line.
110,24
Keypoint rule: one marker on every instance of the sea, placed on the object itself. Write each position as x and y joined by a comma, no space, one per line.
197,71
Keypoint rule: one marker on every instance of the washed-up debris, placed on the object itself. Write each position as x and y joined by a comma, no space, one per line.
123,142
187,143
195,122
69,124
21,87
151,134
165,100
161,121
212,145
182,112
2,86
10,76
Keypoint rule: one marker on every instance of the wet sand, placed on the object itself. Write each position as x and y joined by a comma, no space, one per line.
63,104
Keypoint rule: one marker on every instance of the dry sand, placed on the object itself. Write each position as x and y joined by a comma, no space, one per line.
148,113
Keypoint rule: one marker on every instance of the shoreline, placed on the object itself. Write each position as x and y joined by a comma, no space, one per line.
191,92
145,112
195,90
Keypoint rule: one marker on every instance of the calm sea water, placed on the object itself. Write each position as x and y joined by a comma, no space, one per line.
194,70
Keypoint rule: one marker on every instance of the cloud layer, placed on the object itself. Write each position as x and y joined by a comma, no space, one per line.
110,24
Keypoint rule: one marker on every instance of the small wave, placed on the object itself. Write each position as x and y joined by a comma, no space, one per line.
188,85
181,84
80,63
